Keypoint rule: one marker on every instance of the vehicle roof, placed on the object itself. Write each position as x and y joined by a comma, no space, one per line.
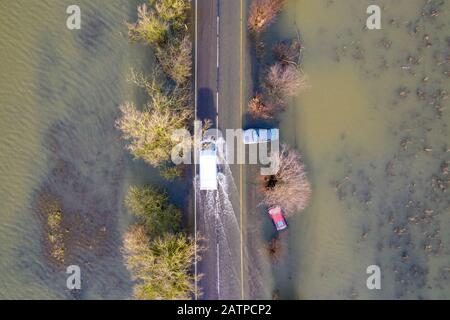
275,210
208,170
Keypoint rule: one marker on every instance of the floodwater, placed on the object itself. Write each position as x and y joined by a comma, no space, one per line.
59,97
373,130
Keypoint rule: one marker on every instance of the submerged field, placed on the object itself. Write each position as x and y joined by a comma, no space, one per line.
374,132
59,97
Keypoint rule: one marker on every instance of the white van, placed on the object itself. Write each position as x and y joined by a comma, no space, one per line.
208,165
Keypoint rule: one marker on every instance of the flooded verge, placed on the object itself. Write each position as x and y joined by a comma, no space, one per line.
373,129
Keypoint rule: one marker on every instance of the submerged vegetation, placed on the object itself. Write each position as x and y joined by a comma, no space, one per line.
282,79
274,249
158,254
51,212
153,210
149,131
159,257
289,188
263,13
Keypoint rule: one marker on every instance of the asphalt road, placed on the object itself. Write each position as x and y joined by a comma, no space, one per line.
218,85
228,266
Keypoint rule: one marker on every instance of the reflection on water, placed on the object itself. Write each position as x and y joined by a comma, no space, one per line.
374,132
59,94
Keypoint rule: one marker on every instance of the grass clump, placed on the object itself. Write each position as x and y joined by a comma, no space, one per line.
54,234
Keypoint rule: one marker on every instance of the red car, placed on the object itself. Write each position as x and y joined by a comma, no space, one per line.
278,219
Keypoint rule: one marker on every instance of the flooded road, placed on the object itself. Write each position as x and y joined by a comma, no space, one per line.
373,129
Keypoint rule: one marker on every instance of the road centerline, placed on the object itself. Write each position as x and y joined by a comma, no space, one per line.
241,165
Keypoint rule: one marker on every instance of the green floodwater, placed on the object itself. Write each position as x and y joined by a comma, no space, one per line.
59,97
376,160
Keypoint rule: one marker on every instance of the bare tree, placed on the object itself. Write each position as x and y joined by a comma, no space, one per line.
263,13
260,110
175,58
289,188
284,81
274,249
288,52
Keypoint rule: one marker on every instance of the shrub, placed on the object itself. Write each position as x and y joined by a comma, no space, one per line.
170,172
149,28
288,52
274,249
162,267
162,20
51,211
289,188
176,59
172,11
161,94
153,210
263,13
260,110
283,81
150,132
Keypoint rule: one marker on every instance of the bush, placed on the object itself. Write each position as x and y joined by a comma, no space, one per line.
162,267
170,172
260,110
288,52
283,81
175,58
289,188
51,211
149,28
153,210
274,249
150,132
162,95
160,21
263,13
172,11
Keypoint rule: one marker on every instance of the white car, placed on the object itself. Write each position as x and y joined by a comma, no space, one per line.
260,135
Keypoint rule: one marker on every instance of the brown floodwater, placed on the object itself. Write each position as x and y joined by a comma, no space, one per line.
373,131
59,97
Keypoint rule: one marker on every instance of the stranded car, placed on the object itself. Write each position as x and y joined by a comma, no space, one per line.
260,135
278,219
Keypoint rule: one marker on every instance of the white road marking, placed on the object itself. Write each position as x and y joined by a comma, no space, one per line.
217,135
218,271
195,165
217,38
